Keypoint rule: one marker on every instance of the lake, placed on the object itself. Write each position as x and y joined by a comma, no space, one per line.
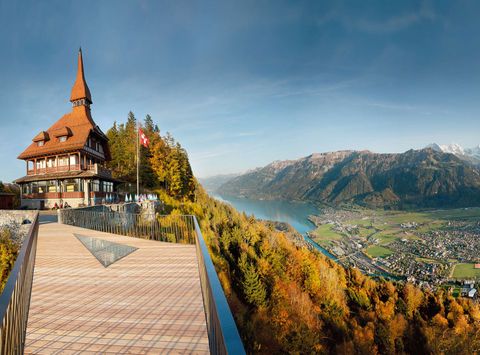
294,213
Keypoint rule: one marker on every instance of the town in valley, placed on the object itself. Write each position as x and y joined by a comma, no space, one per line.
432,248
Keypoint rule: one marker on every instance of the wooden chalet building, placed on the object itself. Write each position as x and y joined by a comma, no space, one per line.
66,163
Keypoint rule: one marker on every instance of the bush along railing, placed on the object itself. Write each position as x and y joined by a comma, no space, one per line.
15,298
223,334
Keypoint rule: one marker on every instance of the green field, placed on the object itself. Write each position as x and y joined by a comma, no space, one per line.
463,271
459,213
427,260
324,235
377,251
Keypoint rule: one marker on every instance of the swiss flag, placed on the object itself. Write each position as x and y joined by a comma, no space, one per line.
143,138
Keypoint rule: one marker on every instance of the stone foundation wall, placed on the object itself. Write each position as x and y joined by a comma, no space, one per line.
17,222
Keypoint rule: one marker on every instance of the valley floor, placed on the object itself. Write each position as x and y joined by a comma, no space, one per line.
436,248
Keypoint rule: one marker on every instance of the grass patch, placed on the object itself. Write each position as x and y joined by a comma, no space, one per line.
362,222
325,235
404,217
365,232
458,213
427,260
377,251
465,270
387,236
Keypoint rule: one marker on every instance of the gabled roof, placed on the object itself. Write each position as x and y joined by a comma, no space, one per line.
77,125
80,89
62,132
42,136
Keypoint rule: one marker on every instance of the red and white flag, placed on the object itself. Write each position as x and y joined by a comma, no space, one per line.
143,138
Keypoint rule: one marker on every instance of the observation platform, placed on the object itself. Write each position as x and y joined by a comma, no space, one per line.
96,292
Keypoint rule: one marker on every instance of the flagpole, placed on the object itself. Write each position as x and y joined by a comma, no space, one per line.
138,158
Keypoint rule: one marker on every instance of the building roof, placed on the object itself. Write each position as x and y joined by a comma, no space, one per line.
42,136
76,125
66,175
80,89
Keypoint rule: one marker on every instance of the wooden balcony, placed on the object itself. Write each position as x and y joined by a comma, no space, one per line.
54,169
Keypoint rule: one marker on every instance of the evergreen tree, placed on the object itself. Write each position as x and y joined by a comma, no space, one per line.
253,289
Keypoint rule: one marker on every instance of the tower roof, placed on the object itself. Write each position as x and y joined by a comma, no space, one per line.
80,89
77,126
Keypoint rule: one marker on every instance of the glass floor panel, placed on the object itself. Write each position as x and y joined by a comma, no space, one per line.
105,251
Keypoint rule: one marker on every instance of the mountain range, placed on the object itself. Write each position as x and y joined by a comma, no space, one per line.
429,177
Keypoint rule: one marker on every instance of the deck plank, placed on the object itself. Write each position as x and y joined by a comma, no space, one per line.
147,302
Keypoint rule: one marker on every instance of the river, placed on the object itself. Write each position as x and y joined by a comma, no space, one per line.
294,213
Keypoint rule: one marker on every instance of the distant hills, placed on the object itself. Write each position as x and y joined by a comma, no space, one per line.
213,183
428,177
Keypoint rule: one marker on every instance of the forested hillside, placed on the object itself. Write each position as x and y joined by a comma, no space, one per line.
288,299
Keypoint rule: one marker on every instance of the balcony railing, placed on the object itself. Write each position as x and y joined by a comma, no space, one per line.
54,169
222,331
15,298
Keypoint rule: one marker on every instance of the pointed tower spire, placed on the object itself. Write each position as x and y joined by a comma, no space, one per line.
80,91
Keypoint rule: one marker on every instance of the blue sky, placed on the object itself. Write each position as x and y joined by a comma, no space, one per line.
243,83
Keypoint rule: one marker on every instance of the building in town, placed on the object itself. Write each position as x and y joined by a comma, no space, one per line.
6,201
66,163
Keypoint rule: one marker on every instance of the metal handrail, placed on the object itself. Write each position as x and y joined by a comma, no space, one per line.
223,336
15,298
222,331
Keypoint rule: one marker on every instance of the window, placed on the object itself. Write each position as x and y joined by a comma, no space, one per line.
41,164
41,187
62,138
62,161
40,143
95,185
26,188
107,186
51,163
52,186
72,185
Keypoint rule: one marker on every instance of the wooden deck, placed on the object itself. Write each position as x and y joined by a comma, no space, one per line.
150,301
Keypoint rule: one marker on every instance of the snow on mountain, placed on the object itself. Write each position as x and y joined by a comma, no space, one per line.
470,154
453,148
473,152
